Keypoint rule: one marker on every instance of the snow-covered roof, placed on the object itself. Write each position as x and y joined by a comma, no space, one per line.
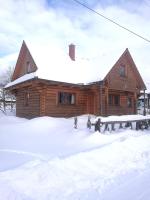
21,79
55,64
142,96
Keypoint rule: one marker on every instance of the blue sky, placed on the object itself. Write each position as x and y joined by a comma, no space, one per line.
58,23
130,5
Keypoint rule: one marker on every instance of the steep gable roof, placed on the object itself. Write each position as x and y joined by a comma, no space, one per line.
138,77
21,64
126,60
52,63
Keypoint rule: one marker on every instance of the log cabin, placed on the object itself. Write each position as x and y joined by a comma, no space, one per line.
41,89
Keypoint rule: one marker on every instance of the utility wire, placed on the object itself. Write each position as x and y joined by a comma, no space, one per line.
112,21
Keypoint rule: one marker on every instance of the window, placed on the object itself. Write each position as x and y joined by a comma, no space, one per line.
66,98
26,98
114,100
122,71
129,102
28,67
110,99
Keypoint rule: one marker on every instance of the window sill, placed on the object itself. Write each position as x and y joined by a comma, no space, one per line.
114,105
59,104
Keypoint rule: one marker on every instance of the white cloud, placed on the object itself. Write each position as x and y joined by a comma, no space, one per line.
7,61
94,37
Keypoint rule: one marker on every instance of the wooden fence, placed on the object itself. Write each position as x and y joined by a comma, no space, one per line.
102,126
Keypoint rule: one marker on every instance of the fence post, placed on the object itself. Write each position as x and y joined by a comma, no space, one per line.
120,126
106,127
89,124
131,125
75,122
98,125
113,127
137,126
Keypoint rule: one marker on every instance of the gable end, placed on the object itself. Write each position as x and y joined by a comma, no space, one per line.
25,63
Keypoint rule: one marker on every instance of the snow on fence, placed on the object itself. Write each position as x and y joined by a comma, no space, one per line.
138,124
102,125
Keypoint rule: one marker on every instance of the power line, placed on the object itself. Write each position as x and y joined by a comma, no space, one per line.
112,21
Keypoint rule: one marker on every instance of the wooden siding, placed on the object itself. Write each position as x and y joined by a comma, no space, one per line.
53,108
21,65
122,108
93,100
127,83
43,101
132,80
33,108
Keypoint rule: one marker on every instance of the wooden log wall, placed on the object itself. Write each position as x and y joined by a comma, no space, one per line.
123,108
55,109
33,108
43,101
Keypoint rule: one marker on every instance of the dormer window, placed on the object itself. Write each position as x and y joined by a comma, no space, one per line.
28,67
122,71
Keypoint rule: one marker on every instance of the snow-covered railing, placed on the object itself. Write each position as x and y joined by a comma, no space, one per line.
102,126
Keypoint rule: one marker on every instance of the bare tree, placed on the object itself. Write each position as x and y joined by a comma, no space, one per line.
6,98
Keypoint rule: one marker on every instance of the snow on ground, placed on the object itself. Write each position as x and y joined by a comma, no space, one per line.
46,159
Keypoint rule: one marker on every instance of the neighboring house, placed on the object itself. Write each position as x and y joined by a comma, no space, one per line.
39,95
144,101
7,100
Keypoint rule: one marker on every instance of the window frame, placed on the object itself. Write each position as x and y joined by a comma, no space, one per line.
114,100
129,102
122,71
110,99
28,67
66,98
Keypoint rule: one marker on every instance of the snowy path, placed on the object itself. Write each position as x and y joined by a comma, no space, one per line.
86,175
13,158
135,186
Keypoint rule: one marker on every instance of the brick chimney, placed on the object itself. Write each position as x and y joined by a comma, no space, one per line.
72,51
